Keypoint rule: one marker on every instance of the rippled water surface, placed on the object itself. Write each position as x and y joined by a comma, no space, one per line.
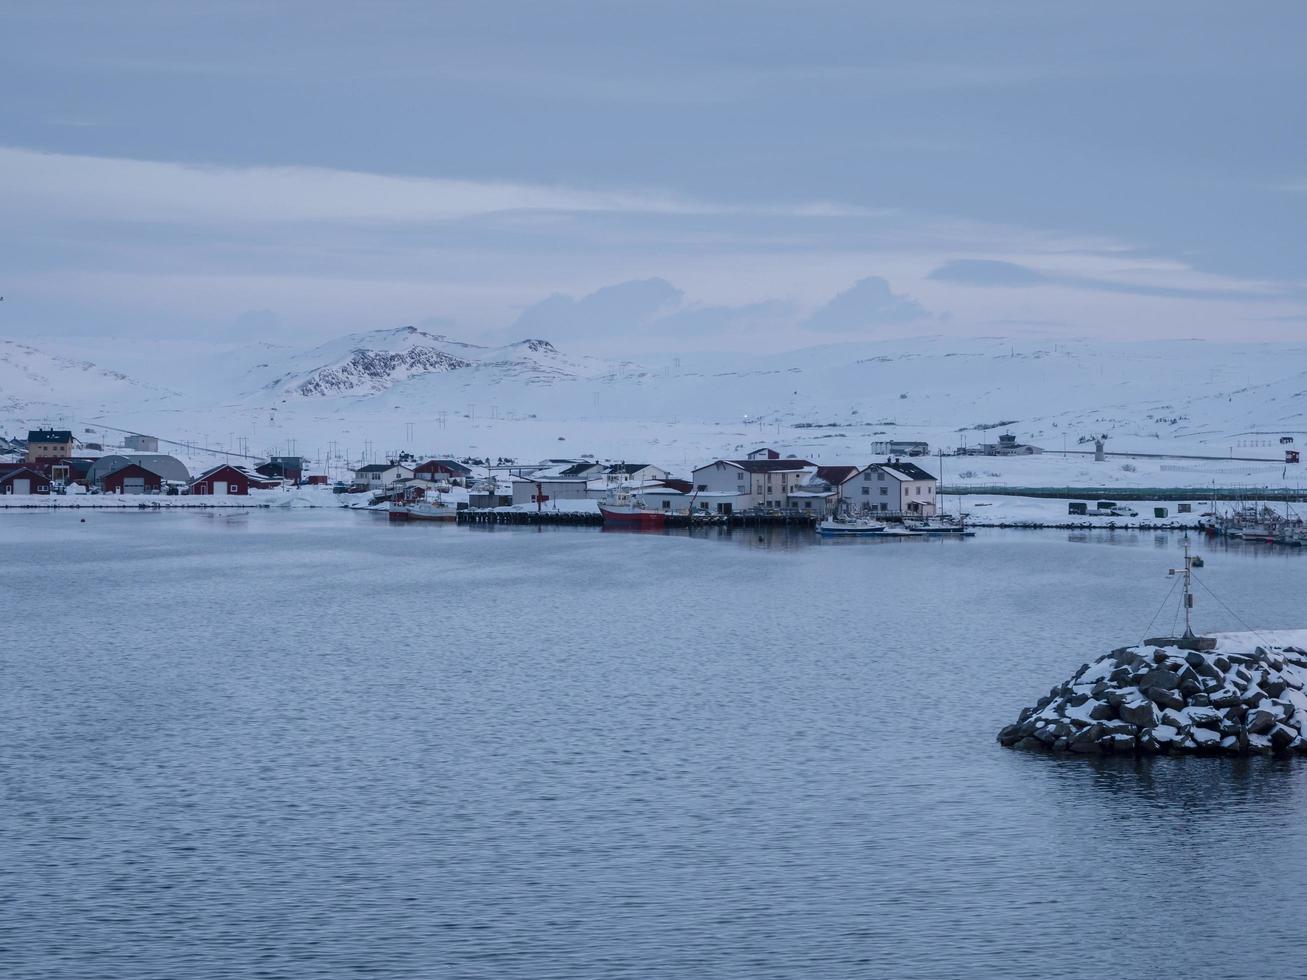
313,745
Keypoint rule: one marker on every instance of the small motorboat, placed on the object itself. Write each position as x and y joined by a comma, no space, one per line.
424,510
849,526
936,525
414,504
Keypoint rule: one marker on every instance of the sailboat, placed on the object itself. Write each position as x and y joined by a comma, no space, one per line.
941,523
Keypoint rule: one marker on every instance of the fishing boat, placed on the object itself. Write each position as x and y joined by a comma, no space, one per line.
624,509
422,510
849,526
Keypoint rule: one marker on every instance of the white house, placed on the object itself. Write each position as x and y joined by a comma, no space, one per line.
662,497
526,489
377,475
753,482
891,487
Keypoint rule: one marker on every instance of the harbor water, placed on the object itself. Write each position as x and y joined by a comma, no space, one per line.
312,744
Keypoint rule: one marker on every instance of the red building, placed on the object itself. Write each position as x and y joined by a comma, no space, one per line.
442,471
132,478
230,481
23,480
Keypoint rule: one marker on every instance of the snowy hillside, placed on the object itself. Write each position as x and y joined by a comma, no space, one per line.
387,390
35,382
369,363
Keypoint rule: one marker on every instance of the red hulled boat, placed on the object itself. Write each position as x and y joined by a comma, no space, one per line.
624,510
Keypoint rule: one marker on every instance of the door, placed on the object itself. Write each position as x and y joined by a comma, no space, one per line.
219,488
134,484
23,486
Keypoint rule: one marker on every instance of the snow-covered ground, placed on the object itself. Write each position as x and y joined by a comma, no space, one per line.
369,396
285,497
1009,511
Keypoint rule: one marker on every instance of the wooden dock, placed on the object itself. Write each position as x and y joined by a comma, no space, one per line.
594,519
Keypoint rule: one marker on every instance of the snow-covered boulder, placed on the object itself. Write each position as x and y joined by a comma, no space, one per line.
1231,693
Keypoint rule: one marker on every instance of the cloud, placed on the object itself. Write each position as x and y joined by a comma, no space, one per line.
610,310
986,272
109,188
990,272
161,192
868,302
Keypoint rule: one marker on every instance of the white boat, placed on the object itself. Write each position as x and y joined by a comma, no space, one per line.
935,525
422,510
834,526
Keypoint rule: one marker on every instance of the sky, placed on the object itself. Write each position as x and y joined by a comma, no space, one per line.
620,177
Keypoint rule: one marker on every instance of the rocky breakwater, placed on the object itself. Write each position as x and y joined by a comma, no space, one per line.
1230,693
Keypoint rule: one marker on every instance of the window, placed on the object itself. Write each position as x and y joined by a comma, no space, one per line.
884,491
866,491
880,475
867,475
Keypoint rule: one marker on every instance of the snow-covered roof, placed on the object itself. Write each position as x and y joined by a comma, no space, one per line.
542,478
761,465
902,471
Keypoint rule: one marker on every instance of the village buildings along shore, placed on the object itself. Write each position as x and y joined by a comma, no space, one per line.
54,461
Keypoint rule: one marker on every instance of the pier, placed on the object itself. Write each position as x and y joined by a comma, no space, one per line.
594,518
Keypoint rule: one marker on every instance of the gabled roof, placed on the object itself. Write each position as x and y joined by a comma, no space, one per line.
769,465
835,475
902,471
256,477
579,469
453,466
626,469
537,478
49,435
381,467
912,471
760,465
8,473
131,466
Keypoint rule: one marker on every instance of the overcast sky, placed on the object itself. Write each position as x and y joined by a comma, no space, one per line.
622,176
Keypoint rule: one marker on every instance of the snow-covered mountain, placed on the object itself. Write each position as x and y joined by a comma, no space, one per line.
369,363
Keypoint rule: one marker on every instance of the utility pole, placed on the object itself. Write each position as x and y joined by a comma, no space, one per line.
1188,600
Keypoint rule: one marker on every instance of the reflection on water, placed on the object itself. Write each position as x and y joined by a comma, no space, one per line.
321,745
